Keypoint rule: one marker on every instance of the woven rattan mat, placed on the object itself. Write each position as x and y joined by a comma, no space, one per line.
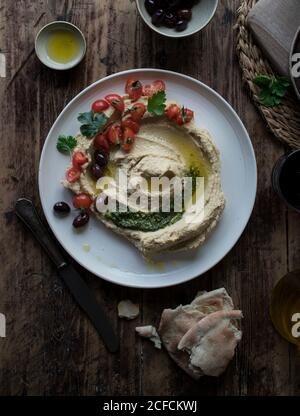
283,120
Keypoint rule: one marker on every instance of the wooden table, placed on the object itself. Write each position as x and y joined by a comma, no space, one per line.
51,348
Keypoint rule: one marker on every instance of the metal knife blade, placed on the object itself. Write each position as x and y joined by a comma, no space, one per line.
26,211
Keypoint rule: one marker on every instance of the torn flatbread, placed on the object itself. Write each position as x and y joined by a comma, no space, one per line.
201,337
211,342
128,310
149,332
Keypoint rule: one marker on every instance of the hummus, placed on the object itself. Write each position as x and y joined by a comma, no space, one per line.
162,149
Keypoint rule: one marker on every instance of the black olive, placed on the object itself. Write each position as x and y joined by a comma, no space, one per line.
170,20
184,14
158,17
160,4
150,6
188,4
181,25
172,4
100,158
61,207
97,171
171,13
81,220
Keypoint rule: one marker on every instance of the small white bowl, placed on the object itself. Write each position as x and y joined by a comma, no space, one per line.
41,42
203,12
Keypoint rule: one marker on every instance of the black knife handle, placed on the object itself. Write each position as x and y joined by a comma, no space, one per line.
25,210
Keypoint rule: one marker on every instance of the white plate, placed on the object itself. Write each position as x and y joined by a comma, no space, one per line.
112,257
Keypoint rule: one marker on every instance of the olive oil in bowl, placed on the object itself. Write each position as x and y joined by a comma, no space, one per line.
60,45
63,46
285,307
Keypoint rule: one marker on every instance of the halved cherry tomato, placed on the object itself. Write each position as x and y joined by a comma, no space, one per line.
137,111
99,106
134,89
133,125
172,111
114,134
101,143
185,116
82,201
79,159
153,88
128,139
159,85
72,174
147,90
189,115
116,101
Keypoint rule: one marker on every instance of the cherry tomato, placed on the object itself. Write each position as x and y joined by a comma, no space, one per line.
82,201
137,111
189,115
134,89
101,143
172,111
159,85
116,101
72,174
114,134
99,106
156,86
147,90
133,125
185,116
79,159
179,119
128,139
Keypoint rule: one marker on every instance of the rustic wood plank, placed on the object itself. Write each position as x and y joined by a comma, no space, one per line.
51,348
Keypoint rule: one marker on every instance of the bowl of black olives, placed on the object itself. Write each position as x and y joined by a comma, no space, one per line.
177,18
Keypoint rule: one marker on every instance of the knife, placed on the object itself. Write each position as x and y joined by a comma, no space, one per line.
26,211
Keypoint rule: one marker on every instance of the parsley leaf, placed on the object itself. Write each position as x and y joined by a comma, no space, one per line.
262,81
85,118
273,89
92,123
157,103
66,144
